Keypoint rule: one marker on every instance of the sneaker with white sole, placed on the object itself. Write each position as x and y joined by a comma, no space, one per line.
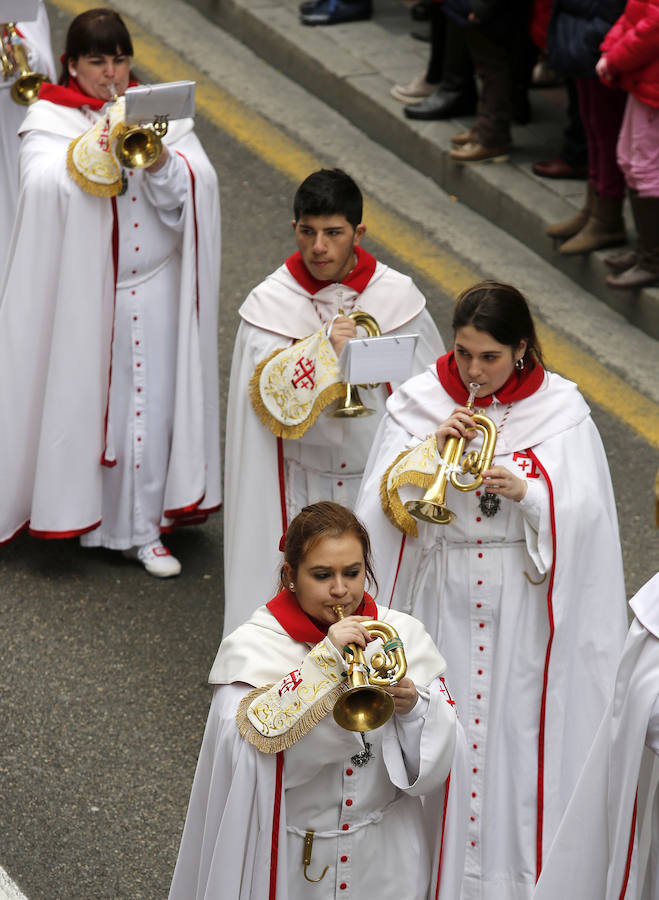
156,559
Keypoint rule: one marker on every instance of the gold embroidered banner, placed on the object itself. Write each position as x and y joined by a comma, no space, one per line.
90,160
417,466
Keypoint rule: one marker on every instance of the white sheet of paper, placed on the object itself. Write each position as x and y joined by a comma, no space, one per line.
174,99
18,10
378,359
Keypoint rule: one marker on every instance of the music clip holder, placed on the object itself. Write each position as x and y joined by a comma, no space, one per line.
19,10
160,102
378,359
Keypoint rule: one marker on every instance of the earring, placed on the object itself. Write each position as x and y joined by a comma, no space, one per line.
519,365
291,586
74,74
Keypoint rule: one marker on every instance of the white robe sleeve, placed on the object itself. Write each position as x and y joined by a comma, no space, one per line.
227,833
251,485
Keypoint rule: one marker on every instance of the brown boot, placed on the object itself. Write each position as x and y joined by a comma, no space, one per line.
574,224
645,272
604,228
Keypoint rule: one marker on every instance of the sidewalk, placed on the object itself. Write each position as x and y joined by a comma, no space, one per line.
352,68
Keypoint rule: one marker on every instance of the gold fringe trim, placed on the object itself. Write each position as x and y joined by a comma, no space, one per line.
392,505
298,730
89,187
290,432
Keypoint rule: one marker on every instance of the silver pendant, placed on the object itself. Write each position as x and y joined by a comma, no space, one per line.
489,504
361,759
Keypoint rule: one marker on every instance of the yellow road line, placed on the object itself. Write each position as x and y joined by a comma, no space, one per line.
268,142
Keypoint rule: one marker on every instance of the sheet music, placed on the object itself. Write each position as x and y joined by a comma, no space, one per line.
388,358
173,99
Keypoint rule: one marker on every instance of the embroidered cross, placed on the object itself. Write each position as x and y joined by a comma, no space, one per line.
444,690
525,463
305,369
291,681
104,138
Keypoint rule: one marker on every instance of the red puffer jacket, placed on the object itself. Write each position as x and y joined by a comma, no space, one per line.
632,50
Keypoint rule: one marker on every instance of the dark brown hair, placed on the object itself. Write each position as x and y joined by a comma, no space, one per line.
99,31
318,521
501,311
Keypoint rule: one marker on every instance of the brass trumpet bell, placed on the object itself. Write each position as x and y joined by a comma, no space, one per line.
25,90
351,406
13,58
366,705
141,145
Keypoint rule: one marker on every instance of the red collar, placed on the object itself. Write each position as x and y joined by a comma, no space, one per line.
71,95
520,385
357,279
284,607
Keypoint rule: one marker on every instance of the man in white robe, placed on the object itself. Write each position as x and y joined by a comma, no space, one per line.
36,38
108,343
268,479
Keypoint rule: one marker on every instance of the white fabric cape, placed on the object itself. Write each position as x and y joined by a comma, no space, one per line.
562,636
260,487
594,855
56,315
227,844
37,39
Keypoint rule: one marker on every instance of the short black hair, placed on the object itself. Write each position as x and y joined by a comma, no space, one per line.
329,192
99,31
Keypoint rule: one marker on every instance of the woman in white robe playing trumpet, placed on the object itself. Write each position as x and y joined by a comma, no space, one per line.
286,803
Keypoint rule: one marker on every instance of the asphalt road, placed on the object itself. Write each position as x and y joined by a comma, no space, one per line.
103,696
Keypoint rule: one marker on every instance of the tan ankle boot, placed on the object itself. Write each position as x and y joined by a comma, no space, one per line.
570,226
645,271
604,228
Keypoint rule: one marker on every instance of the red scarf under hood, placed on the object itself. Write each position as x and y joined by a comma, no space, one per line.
297,624
71,95
521,384
357,279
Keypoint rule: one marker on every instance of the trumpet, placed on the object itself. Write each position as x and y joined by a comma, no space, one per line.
351,406
431,508
366,705
13,60
141,145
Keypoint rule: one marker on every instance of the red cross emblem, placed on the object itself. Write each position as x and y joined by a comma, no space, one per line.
303,377
526,461
445,692
291,681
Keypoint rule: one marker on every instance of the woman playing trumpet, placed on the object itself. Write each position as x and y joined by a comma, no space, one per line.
109,334
287,804
522,591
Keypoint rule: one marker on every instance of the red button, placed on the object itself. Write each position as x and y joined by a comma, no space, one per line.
481,648
138,414
343,465
475,746
133,198
478,518
481,624
130,173
473,794
480,671
480,581
136,224
340,483
478,493
133,293
348,771
348,802
134,318
345,827
478,605
477,721
343,885
136,249
479,542
139,439
473,843
480,555
473,818
137,343
137,466
139,390
344,859
133,271
138,365
474,771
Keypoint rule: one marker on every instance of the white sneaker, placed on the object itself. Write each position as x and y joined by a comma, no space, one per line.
413,92
156,559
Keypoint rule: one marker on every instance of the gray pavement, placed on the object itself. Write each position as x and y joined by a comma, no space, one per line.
352,67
